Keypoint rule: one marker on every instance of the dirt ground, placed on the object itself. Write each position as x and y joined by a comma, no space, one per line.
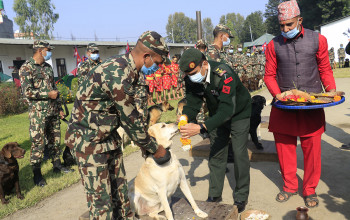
333,189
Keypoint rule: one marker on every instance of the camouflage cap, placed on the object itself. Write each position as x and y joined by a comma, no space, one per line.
156,42
201,42
92,47
239,46
190,59
341,45
42,44
248,50
230,46
223,28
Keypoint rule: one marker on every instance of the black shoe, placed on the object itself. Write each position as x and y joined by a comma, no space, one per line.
240,205
214,199
38,178
58,168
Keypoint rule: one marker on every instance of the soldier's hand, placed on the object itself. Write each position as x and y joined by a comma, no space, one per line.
160,152
53,94
189,130
62,114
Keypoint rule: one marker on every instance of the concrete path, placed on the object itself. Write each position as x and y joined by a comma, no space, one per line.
333,189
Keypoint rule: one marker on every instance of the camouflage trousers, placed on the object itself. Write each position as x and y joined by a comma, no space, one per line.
44,130
201,115
341,62
103,177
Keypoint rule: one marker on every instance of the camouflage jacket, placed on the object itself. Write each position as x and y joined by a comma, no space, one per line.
331,55
218,55
85,67
105,101
341,52
36,82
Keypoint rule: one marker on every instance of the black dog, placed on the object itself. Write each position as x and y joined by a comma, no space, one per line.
9,170
258,103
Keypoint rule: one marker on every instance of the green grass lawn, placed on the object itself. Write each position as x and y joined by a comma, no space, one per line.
15,128
341,73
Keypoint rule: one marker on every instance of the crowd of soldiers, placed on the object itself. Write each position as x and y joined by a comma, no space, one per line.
250,67
341,57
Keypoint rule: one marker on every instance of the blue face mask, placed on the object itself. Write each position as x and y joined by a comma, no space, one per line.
198,77
95,56
227,42
48,55
151,69
291,34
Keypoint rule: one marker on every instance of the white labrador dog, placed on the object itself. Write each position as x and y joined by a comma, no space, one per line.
154,185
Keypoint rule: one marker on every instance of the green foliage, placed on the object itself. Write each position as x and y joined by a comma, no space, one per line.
256,22
271,15
333,9
74,88
35,16
181,28
65,93
11,101
208,28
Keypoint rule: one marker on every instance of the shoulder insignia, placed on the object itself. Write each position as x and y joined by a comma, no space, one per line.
220,71
226,89
228,80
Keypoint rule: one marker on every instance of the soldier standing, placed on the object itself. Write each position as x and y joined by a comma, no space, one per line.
92,52
222,35
332,57
113,95
45,109
229,105
341,56
238,61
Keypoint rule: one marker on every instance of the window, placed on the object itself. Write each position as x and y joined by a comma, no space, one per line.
61,67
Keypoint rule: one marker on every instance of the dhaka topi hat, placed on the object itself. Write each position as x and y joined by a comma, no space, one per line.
288,10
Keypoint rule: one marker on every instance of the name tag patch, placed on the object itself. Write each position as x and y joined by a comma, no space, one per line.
228,80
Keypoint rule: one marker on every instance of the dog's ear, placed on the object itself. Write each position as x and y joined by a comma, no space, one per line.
151,132
6,151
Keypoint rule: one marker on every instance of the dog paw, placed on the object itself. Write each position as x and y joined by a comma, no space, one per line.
21,197
200,213
259,146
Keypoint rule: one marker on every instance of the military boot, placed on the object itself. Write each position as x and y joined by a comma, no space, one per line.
58,168
38,177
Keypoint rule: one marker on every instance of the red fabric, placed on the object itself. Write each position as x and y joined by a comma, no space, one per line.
127,47
286,150
298,123
166,82
76,54
158,79
151,83
174,80
74,72
288,10
17,82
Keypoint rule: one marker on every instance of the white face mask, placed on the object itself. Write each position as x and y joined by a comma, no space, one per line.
240,49
198,77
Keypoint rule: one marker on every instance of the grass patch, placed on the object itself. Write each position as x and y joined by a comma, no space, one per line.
341,73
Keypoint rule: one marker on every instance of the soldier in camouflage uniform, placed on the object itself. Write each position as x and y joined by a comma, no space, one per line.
222,35
114,94
237,60
262,62
45,109
331,57
247,69
341,56
92,52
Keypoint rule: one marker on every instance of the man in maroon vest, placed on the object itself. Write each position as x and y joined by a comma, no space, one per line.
298,58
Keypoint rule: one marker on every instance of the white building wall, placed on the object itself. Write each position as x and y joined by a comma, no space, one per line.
9,53
334,34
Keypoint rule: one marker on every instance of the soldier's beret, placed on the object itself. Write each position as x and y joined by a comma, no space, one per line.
42,44
223,28
190,59
156,42
92,47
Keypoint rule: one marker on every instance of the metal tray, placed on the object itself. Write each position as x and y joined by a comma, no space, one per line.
280,105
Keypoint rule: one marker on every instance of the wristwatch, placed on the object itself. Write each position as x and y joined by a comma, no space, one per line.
202,130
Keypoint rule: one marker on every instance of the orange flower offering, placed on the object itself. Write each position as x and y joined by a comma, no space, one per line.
186,143
337,98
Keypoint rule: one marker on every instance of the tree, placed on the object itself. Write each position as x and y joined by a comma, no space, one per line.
207,30
271,15
181,29
236,23
334,9
36,16
255,22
